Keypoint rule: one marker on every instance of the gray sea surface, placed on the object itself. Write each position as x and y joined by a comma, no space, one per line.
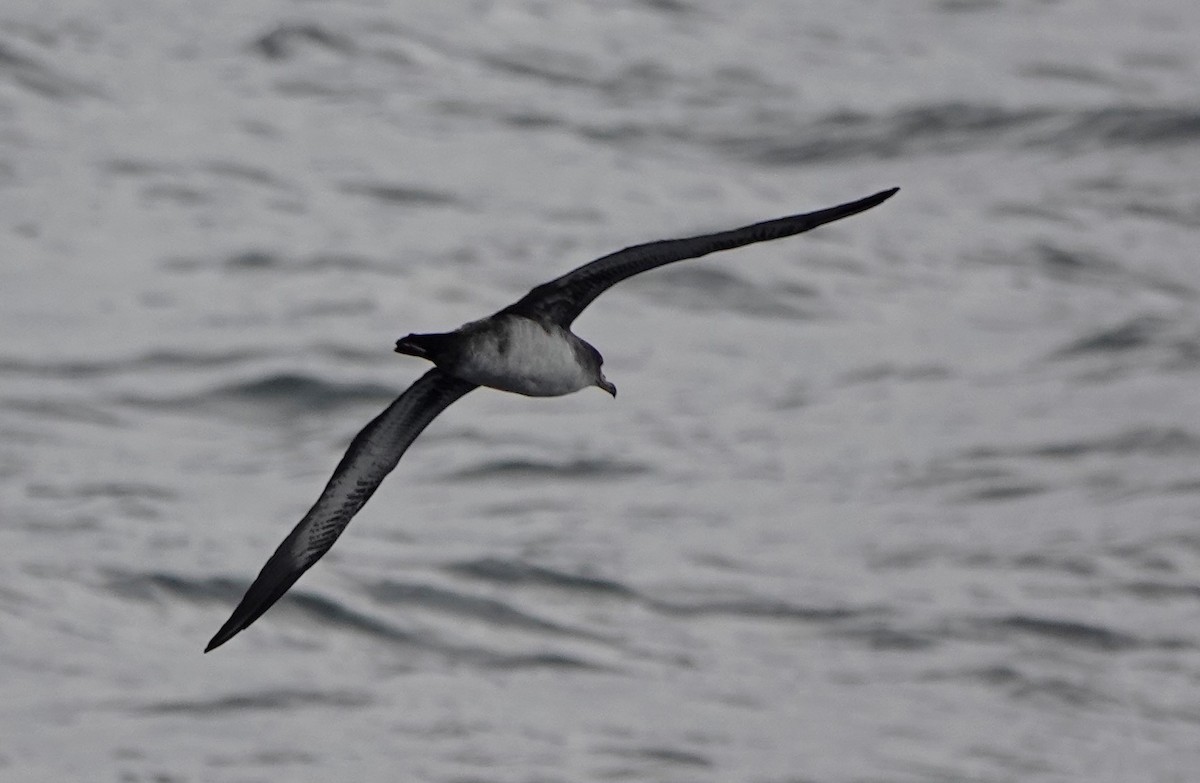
914,497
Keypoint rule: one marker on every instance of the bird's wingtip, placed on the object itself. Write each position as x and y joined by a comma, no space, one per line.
222,636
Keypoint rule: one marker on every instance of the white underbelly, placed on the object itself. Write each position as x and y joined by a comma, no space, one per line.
522,356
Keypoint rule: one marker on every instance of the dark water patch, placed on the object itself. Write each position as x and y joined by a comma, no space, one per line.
1151,441
677,7
554,67
887,372
172,360
542,660
701,289
1140,126
36,77
291,40
348,262
1067,632
253,260
157,585
257,260
1018,629
638,82
1059,689
528,469
327,612
274,700
177,192
1066,263
1162,590
1181,487
1020,685
350,353
961,6
112,490
943,128
530,119
1159,557
63,411
1002,492
958,472
517,572
301,392
1084,265
757,608
884,637
1167,212
961,126
1136,333
134,167
239,171
988,675
69,369
488,610
1054,563
73,369
1075,74
1154,441
669,757
399,195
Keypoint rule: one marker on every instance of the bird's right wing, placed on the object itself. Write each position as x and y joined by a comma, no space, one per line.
562,300
371,456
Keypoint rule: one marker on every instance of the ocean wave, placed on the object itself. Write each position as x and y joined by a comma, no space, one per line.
584,468
275,700
302,391
1067,632
73,369
1017,683
257,260
959,127
518,572
29,73
489,610
1138,332
1154,441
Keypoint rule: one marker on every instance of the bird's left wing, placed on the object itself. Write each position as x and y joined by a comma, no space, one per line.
562,299
371,456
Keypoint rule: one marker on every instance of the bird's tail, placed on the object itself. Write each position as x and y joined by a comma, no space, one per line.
427,346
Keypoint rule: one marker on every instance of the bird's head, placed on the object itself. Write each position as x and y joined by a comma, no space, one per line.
592,358
605,384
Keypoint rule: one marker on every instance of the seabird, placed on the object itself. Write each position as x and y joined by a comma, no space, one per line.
527,348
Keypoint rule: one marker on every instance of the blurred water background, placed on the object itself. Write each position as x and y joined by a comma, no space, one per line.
915,497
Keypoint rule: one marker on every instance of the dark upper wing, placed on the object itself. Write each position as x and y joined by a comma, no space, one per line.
562,300
371,456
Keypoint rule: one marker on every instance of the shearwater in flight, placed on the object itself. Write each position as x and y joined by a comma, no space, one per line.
527,348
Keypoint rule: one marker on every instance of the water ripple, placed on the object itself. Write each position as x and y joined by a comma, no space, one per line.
275,700
584,468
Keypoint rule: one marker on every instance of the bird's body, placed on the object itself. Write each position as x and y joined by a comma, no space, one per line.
527,348
511,353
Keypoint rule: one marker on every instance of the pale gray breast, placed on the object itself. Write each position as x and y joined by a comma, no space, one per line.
516,354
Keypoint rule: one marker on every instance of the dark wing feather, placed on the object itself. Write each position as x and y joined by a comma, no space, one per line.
371,456
562,300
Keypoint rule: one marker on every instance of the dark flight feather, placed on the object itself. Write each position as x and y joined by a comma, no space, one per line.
562,300
373,454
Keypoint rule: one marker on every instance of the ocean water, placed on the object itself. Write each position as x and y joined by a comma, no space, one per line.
915,497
